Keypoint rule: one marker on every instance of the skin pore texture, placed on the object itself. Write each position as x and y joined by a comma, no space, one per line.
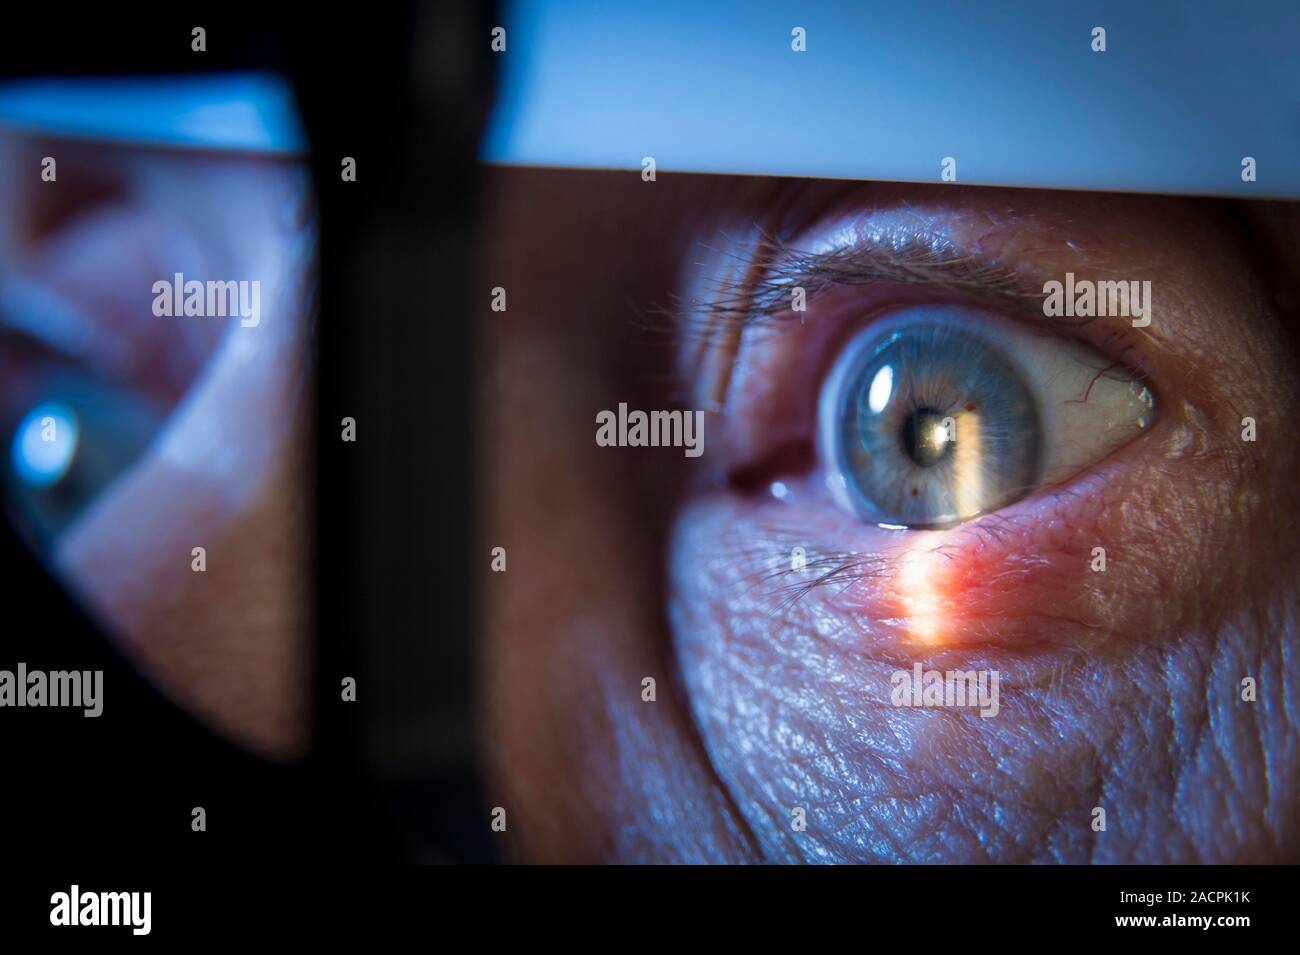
1119,689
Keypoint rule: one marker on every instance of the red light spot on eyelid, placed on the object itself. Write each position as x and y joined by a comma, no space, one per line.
1006,578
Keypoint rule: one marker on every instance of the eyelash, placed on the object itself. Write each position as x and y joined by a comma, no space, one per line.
788,584
771,268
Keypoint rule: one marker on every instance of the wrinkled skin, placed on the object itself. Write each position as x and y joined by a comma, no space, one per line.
1120,690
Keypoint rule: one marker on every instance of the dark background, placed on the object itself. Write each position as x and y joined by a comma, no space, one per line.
405,91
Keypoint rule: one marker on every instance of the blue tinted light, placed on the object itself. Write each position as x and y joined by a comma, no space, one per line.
45,444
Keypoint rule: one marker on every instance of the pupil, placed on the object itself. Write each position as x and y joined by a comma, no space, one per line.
925,438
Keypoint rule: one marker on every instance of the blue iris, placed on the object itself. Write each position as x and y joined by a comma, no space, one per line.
933,425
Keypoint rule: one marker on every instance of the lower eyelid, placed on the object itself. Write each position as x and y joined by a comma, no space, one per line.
1018,581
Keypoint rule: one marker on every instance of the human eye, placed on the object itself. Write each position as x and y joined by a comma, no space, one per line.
922,385
934,415
125,454
924,454
71,435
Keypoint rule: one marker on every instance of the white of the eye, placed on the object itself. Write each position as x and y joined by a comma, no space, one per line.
1088,411
1088,407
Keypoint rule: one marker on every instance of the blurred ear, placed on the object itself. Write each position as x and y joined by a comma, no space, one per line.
227,469
80,253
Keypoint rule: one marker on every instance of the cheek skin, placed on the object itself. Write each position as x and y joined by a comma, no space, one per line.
1115,690
1118,688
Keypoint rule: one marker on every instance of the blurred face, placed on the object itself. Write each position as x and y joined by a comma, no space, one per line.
921,468
172,430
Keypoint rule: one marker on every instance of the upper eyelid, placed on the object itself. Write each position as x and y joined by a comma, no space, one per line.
753,293
768,268
775,268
